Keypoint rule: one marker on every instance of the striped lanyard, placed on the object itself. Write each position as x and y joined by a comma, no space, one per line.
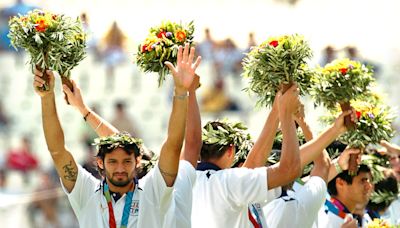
127,207
336,207
254,216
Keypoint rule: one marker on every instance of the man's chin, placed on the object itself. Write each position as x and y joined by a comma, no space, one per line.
120,183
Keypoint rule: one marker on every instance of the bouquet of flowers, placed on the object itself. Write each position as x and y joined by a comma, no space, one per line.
340,82
162,45
54,41
276,63
229,133
373,125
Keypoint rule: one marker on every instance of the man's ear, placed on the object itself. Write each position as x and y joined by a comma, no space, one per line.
138,160
231,151
340,183
100,163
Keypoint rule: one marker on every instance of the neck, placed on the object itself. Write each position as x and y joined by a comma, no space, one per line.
346,201
218,162
121,190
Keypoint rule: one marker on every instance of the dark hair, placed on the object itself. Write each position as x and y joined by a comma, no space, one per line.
346,177
147,162
387,185
108,148
213,150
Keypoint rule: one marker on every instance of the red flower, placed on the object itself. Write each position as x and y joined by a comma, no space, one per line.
161,34
144,48
41,25
358,114
274,43
343,70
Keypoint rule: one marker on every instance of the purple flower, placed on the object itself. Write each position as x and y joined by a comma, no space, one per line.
371,115
41,13
168,34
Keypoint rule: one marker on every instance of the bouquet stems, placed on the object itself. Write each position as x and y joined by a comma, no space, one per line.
353,166
350,125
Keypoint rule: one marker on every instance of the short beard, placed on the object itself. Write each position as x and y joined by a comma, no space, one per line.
119,183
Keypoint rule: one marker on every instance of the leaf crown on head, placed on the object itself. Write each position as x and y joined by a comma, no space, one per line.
116,140
229,133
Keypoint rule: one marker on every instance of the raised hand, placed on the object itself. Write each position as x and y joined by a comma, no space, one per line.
38,82
184,71
74,98
391,148
289,102
344,157
299,115
195,83
339,122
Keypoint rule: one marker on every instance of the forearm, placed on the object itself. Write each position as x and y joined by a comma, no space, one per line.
64,162
262,148
321,166
305,128
313,148
193,142
290,158
170,151
53,132
332,170
98,124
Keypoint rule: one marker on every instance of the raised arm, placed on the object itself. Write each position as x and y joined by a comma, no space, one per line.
99,125
183,75
391,148
313,148
288,168
322,161
64,162
343,162
193,142
262,147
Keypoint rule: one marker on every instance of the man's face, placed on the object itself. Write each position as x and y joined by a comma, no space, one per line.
361,188
120,168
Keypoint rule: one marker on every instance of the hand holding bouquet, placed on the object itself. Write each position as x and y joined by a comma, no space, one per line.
54,42
276,63
373,125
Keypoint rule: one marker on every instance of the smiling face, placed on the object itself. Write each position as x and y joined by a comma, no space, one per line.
119,167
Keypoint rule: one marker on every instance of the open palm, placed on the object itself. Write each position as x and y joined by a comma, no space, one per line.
184,71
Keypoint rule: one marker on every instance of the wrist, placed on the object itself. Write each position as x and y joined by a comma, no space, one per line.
181,94
337,166
180,91
49,95
84,110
